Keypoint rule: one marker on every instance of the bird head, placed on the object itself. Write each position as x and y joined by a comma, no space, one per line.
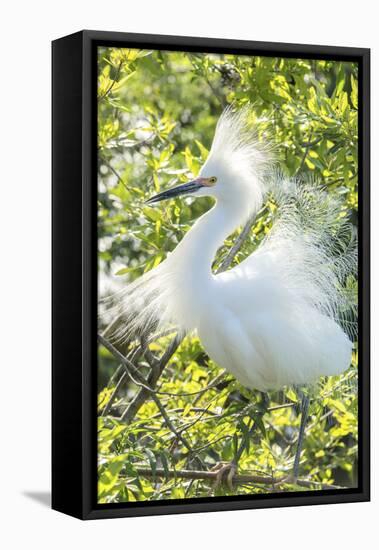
233,171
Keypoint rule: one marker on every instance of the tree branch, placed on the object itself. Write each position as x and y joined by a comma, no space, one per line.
237,246
110,402
143,394
238,479
138,379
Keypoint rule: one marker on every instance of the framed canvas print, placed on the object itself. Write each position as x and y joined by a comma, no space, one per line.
210,274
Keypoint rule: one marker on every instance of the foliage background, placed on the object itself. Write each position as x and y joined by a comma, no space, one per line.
156,117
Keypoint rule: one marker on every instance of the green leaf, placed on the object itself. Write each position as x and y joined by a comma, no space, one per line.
152,213
354,92
203,151
312,101
125,270
343,103
152,461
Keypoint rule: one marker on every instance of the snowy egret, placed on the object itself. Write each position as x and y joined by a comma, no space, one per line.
277,318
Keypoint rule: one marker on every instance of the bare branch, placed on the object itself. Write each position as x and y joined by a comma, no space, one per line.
110,402
236,246
143,394
204,474
131,370
170,424
238,479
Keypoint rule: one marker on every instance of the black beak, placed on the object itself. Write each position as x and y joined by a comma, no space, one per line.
184,189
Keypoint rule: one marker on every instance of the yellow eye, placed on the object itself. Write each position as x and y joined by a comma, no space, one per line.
212,180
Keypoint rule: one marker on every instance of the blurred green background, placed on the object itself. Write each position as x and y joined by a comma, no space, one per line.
157,112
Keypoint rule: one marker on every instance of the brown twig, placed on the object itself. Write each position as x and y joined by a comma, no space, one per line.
138,379
114,171
204,474
307,145
236,246
170,424
110,402
130,369
143,394
237,479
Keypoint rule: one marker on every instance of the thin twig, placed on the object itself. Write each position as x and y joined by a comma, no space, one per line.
131,370
110,402
212,443
139,399
195,421
307,145
149,356
237,246
114,80
114,171
170,424
198,393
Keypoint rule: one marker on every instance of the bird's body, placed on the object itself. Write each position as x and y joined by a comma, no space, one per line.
272,320
252,320
267,345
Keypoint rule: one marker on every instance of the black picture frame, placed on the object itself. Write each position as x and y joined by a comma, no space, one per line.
74,272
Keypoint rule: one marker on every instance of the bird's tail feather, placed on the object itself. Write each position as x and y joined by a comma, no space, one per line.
316,247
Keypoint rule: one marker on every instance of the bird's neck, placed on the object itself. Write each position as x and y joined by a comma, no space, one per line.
197,250
189,267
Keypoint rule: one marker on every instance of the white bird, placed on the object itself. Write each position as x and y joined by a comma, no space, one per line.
277,318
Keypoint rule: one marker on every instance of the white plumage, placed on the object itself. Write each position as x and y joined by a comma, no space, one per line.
280,316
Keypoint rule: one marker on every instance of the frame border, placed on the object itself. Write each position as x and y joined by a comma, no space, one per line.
74,132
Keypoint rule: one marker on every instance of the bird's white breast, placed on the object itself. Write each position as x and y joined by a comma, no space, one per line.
266,337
